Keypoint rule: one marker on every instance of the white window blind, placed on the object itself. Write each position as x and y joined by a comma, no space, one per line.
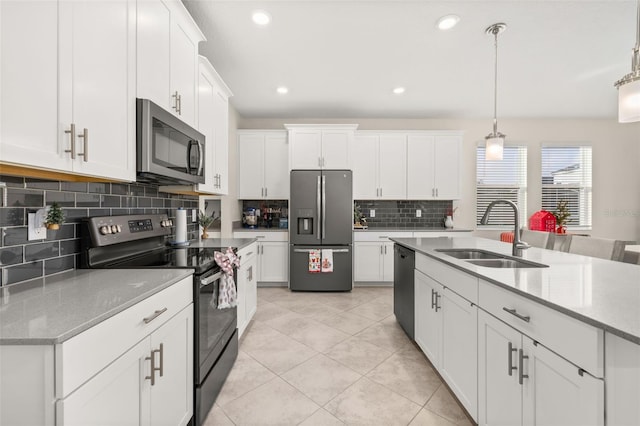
566,175
505,179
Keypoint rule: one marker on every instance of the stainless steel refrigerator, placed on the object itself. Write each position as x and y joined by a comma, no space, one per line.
321,220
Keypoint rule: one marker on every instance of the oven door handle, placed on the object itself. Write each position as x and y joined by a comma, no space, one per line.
206,281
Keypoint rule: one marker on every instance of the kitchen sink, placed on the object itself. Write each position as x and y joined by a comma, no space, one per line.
489,259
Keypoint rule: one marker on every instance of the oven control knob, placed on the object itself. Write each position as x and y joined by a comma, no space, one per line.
119,228
104,230
163,223
170,222
114,229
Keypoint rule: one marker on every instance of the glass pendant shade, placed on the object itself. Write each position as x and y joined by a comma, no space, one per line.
629,102
494,147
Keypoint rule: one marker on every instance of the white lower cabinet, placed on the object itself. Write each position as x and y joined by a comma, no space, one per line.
247,286
446,330
373,261
622,359
272,255
523,383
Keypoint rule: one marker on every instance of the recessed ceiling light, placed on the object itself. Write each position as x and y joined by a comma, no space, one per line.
398,90
282,90
448,21
260,17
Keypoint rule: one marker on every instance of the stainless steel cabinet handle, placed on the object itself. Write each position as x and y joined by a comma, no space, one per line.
381,250
152,358
161,350
175,103
433,298
250,273
85,136
262,192
436,192
521,358
381,192
319,162
180,104
385,249
517,315
437,298
155,315
266,192
72,134
511,366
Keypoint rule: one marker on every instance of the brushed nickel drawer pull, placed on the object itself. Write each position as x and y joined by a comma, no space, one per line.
155,315
72,135
85,136
517,315
511,366
522,357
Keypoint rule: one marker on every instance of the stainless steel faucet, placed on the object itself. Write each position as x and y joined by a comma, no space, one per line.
518,245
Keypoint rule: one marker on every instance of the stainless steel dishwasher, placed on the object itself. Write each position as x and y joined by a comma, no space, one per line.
403,293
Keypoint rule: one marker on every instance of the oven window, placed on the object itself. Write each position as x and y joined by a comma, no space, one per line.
213,322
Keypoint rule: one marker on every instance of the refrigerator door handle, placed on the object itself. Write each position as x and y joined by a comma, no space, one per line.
318,205
324,206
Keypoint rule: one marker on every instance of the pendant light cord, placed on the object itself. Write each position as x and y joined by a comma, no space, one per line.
495,83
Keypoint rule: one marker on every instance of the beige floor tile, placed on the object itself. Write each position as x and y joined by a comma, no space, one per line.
217,417
318,336
274,403
321,378
368,403
280,353
407,374
358,355
322,418
290,322
246,375
344,321
315,308
373,310
388,337
429,418
256,335
268,312
269,293
445,405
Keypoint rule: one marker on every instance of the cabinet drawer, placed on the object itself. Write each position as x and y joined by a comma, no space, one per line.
460,282
84,355
248,252
379,237
574,340
263,236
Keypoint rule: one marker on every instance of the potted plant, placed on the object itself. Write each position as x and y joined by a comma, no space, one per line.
562,215
359,221
204,221
55,217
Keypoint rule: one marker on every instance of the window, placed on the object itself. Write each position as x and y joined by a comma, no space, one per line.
506,179
566,175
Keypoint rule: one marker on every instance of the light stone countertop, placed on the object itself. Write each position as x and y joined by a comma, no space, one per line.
53,309
603,293
412,230
237,243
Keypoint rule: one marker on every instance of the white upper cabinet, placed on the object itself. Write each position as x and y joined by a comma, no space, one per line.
68,95
262,165
433,166
168,57
213,122
320,146
379,164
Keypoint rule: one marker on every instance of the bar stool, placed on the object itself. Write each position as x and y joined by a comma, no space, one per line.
538,239
602,248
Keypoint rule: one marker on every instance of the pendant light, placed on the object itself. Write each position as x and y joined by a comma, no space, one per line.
629,85
495,140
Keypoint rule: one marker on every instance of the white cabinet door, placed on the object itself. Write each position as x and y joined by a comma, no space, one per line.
622,368
118,395
153,52
335,149
447,167
499,394
420,175
428,324
206,125
251,289
305,149
273,262
558,392
29,130
459,366
365,173
97,77
221,128
387,261
251,163
392,163
172,392
184,63
276,171
247,277
367,265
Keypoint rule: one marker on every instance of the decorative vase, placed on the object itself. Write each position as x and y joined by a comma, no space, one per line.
53,226
448,222
561,230
205,235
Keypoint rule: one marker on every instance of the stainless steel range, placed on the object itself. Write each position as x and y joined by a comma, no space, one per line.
139,241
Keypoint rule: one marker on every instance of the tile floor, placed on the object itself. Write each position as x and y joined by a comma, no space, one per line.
331,359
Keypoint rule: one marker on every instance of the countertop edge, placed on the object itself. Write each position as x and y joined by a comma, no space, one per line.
605,327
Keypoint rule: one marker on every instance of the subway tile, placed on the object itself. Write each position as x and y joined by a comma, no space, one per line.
42,184
136,190
64,199
11,217
119,189
129,202
74,215
66,231
88,200
157,202
116,212
110,201
59,264
150,191
14,236
24,198
99,212
73,186
12,181
11,255
144,202
17,273
99,187
41,251
69,247
136,211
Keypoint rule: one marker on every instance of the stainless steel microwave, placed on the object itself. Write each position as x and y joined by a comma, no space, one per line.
168,150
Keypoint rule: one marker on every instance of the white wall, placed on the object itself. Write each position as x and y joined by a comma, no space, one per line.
616,161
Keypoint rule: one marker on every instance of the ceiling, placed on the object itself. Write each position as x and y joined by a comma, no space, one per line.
557,58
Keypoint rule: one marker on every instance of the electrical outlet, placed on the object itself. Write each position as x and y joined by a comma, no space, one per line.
194,215
418,213
372,213
35,225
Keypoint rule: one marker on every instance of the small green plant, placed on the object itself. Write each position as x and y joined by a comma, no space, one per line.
357,214
55,216
562,213
204,220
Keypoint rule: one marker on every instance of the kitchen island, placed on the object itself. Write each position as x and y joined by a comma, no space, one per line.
564,332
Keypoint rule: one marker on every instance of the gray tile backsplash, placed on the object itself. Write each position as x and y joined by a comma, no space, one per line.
21,259
402,213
